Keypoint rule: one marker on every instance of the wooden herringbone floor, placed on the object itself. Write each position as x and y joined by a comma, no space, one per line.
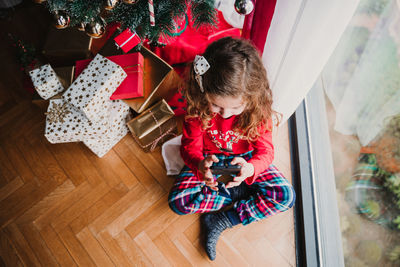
61,205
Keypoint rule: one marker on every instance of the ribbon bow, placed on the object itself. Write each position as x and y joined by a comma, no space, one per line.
57,113
200,67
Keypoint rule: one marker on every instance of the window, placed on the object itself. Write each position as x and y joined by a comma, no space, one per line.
350,126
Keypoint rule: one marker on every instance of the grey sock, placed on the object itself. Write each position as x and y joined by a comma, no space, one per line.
213,225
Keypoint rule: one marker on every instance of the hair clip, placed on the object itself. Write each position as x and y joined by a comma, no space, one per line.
200,66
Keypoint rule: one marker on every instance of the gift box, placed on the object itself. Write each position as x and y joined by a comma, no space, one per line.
66,76
133,65
64,123
91,91
103,145
127,40
63,48
101,138
110,126
154,126
160,82
46,82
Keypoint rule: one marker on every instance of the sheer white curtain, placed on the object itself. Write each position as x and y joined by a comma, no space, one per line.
362,80
302,36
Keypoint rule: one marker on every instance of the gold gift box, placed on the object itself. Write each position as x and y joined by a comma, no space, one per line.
154,126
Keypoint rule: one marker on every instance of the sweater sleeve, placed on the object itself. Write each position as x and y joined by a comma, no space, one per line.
263,155
192,144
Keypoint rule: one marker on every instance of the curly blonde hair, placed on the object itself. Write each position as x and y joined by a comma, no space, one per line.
235,70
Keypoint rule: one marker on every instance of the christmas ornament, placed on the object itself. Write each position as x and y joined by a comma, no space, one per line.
151,11
110,4
130,1
96,28
62,19
57,113
244,7
81,26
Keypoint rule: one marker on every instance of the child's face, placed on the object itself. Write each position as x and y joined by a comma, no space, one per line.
226,106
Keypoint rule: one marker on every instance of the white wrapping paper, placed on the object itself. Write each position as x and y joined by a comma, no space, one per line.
46,82
92,89
101,137
70,125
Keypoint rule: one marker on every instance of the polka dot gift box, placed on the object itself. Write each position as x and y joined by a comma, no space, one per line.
63,122
46,81
92,89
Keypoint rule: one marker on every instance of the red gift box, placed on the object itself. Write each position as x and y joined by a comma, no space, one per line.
127,40
132,86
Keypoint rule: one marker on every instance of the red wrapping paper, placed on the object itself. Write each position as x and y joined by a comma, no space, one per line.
127,40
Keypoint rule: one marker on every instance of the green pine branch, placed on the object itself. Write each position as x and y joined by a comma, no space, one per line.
203,12
136,16
83,11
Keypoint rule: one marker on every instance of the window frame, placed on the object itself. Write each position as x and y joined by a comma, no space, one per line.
317,227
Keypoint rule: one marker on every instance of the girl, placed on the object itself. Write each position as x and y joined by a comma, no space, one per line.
229,119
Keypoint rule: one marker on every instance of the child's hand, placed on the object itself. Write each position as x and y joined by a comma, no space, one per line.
247,170
204,168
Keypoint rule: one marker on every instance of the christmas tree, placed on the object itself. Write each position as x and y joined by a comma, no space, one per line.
155,21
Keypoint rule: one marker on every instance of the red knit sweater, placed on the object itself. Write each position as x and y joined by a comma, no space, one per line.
196,141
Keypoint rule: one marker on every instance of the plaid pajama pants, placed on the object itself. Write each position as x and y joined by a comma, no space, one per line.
272,194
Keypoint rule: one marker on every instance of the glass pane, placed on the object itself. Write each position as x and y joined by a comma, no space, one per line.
362,86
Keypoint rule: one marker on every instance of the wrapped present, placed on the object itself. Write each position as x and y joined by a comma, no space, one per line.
66,76
110,126
127,40
133,65
100,146
100,138
154,126
103,145
91,91
64,123
63,48
46,81
160,82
